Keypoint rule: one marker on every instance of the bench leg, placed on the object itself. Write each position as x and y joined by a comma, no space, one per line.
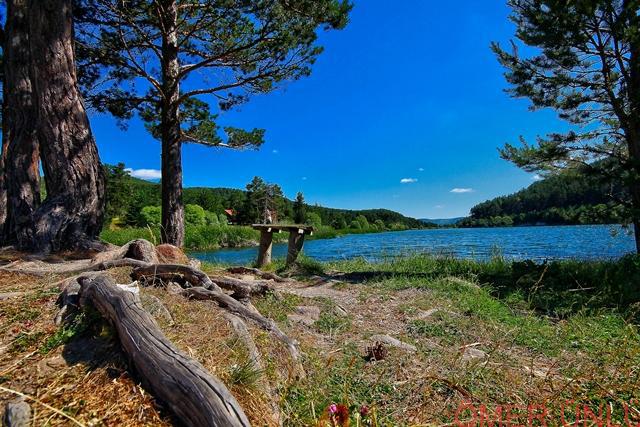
296,240
264,252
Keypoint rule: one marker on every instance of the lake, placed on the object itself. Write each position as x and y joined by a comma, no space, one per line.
537,243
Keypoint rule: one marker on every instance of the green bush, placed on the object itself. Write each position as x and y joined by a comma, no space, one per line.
194,215
313,219
364,223
151,215
211,218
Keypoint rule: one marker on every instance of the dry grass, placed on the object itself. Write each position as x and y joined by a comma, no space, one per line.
88,378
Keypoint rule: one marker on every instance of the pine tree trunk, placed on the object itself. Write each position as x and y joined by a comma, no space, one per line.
4,226
71,216
172,205
633,131
20,154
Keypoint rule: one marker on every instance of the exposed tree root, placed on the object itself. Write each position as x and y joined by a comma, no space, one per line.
241,289
112,301
241,330
249,313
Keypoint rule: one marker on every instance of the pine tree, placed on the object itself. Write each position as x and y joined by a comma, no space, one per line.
299,209
170,61
585,64
47,120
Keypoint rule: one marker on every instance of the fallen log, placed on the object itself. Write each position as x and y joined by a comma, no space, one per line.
195,396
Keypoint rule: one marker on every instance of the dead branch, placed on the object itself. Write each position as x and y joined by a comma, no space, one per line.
262,274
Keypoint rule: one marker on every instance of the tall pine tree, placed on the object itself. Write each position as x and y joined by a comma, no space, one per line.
179,63
585,64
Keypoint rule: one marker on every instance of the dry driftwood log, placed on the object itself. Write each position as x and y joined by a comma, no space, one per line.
194,395
262,274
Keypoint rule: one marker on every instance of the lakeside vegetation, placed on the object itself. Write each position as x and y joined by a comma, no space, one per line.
133,211
212,237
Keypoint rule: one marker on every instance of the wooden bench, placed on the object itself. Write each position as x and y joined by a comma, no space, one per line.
296,240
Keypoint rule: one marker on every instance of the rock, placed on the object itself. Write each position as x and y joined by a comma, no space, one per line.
340,311
393,342
540,372
305,314
195,263
169,254
471,353
130,287
142,250
50,365
9,295
426,314
17,414
155,307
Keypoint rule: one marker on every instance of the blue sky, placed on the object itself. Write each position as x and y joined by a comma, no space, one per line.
404,110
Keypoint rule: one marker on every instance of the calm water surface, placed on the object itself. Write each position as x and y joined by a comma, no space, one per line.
538,243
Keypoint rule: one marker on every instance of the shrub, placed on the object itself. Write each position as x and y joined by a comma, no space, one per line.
313,219
194,215
151,215
211,218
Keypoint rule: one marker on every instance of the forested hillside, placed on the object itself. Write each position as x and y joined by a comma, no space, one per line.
129,201
571,197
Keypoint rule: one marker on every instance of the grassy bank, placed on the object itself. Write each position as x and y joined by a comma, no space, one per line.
546,334
211,237
477,335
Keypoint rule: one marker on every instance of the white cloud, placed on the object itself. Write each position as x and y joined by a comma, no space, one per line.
462,190
439,206
537,177
421,169
148,174
275,151
408,180
304,178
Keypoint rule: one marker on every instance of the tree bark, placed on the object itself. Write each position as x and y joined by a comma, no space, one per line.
633,135
4,226
172,230
72,215
20,151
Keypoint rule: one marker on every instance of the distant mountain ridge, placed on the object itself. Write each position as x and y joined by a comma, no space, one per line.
443,221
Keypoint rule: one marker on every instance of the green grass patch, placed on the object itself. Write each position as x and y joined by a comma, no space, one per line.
331,323
80,324
277,308
347,380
